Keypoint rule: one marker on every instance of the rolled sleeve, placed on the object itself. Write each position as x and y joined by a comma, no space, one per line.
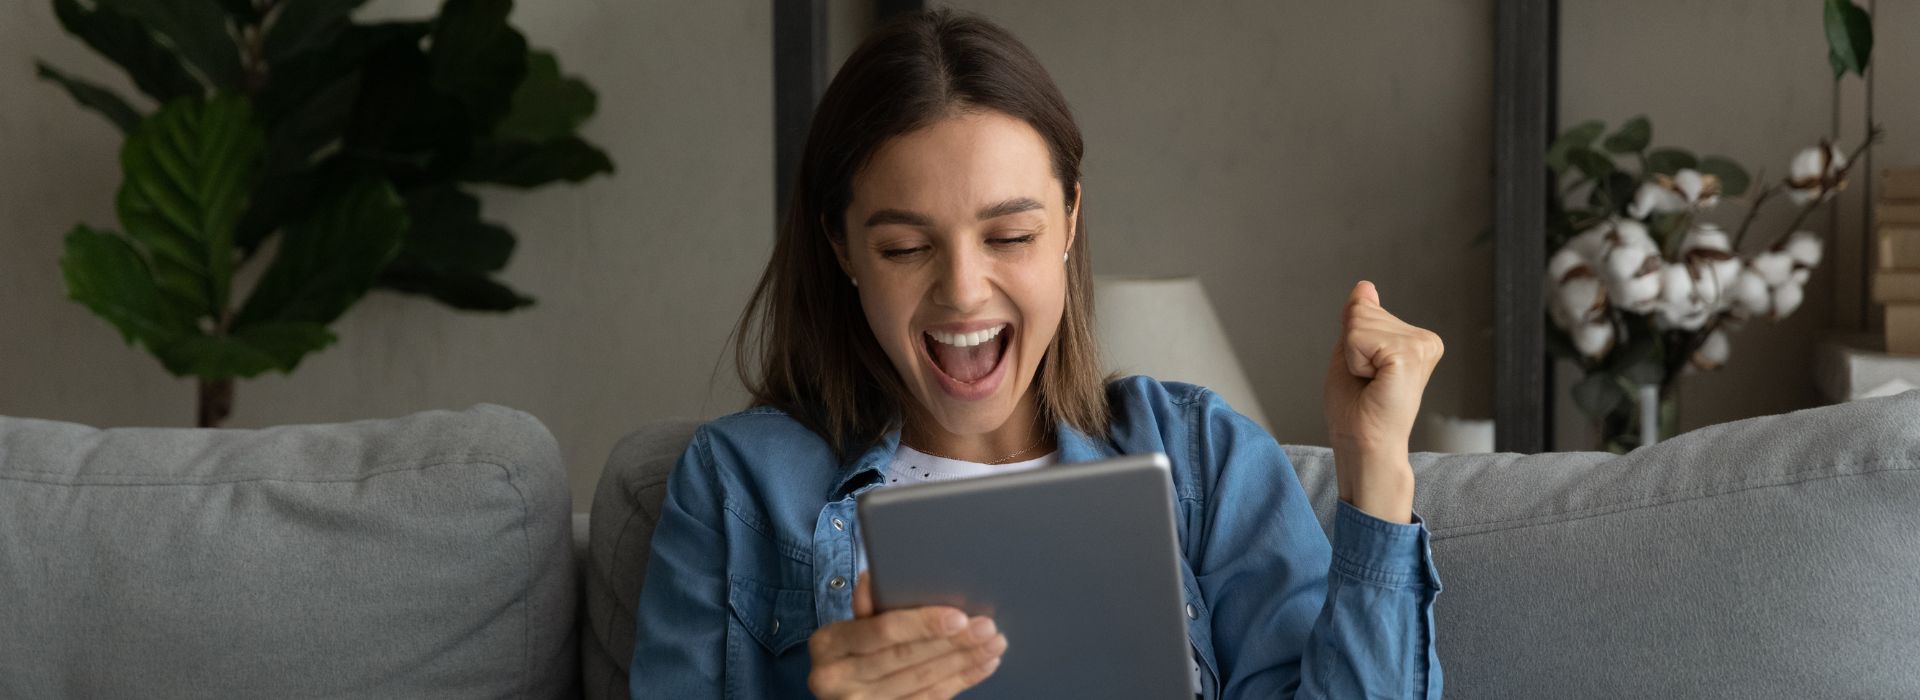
1370,550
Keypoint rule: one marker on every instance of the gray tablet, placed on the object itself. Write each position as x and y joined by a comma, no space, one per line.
1077,563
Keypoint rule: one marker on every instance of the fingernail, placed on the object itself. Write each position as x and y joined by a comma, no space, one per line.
982,628
953,621
991,666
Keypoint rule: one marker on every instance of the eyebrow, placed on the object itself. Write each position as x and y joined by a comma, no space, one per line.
992,211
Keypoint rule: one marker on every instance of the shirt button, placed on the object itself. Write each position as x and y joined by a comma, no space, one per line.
776,626
837,583
1192,614
839,524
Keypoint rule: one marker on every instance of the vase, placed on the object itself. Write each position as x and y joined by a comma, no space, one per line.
1650,414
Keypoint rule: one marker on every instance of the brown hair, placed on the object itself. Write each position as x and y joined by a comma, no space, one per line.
817,359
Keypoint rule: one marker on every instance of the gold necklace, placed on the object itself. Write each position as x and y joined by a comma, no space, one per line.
1029,448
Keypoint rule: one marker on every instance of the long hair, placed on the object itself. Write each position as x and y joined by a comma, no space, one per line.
803,343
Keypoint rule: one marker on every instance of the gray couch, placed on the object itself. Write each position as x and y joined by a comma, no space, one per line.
429,556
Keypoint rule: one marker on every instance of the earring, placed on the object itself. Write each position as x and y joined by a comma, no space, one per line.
1063,257
855,282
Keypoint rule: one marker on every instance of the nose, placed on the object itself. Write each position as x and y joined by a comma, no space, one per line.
964,285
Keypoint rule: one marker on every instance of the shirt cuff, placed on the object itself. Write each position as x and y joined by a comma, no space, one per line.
1366,548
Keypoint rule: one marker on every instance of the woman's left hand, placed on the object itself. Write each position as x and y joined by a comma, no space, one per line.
1379,369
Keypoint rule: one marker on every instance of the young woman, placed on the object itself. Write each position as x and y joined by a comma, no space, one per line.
927,313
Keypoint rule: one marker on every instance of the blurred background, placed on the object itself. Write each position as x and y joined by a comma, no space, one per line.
1277,151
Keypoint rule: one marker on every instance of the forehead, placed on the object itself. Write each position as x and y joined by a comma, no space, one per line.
957,164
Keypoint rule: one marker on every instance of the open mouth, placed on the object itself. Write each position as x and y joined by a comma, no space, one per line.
967,358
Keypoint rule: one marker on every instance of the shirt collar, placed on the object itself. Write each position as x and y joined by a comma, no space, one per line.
863,470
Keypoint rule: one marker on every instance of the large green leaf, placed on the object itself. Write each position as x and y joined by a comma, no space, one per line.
1598,393
94,97
1849,38
467,291
1733,178
128,43
1632,137
197,29
450,252
302,25
477,58
248,352
329,259
1668,161
1576,138
547,105
106,274
187,170
447,232
531,164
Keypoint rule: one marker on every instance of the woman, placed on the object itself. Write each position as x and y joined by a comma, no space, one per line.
928,308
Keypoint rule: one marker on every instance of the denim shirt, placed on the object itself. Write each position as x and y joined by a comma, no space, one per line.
757,547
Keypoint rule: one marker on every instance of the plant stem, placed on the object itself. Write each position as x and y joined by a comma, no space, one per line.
216,402
1753,210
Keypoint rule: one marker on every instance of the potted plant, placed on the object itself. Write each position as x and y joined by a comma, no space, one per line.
334,156
1642,288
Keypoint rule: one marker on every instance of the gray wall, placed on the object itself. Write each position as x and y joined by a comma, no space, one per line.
1279,150
1282,151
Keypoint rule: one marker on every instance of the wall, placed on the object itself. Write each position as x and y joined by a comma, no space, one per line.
639,277
1282,151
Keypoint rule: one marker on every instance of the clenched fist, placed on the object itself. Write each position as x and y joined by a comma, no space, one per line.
1378,371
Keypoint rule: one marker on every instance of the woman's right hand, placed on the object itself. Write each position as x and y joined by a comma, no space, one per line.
929,652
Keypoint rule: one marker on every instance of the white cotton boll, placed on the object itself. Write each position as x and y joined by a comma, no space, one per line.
1773,267
1804,247
1808,165
1686,319
1579,298
1705,237
1709,287
1713,351
1702,191
1800,276
1633,277
1676,287
1752,295
1594,339
1563,262
1627,232
1652,198
1786,299
1591,243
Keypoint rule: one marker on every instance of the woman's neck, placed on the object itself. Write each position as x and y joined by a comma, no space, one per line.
1023,436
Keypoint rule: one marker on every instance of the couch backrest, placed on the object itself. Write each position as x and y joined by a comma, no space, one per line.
1771,557
420,557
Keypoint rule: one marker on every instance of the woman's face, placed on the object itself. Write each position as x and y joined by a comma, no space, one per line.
956,234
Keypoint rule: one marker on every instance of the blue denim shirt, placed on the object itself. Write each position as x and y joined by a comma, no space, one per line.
757,546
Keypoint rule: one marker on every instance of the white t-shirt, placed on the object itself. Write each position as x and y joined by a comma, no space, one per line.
910,465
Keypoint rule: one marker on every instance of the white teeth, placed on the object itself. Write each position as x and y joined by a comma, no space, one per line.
967,340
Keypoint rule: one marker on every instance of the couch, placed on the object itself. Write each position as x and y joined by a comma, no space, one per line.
434,555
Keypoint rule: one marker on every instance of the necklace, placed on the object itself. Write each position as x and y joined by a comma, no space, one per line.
1029,448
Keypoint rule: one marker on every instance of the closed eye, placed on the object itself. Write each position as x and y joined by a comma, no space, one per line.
1011,241
900,253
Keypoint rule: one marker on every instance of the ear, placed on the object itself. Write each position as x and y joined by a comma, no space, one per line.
1073,216
839,249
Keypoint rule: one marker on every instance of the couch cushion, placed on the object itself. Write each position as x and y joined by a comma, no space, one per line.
420,557
1770,557
625,506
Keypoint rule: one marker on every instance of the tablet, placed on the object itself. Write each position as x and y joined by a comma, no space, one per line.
1078,565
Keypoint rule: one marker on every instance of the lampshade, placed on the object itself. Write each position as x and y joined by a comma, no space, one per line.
1165,328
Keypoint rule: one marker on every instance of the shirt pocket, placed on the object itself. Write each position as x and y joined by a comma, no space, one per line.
766,645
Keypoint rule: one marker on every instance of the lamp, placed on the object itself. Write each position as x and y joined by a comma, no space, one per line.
1165,328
